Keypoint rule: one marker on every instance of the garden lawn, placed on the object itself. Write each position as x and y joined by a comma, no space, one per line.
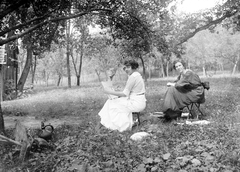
171,147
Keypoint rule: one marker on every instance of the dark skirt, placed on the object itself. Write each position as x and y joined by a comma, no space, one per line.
176,99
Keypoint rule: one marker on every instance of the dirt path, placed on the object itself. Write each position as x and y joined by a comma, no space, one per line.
33,122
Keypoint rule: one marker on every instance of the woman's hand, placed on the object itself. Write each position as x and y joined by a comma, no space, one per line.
169,84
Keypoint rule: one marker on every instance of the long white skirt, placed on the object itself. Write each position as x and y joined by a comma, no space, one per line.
116,114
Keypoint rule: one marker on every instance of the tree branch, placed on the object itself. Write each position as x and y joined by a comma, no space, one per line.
214,22
22,25
12,8
12,38
6,139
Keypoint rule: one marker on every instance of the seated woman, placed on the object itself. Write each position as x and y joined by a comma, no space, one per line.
116,113
185,90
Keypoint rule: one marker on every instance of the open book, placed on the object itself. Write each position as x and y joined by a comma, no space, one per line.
109,85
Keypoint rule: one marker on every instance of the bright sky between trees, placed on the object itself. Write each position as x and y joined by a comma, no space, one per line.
193,6
183,6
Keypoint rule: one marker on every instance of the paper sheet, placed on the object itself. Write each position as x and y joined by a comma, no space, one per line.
109,85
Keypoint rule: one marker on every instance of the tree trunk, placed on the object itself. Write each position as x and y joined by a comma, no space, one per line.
162,70
78,80
235,65
98,75
33,70
144,69
46,78
167,68
2,127
149,71
164,74
106,75
80,66
26,69
68,54
221,67
204,71
59,80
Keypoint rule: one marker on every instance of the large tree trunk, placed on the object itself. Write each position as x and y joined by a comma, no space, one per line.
2,127
26,69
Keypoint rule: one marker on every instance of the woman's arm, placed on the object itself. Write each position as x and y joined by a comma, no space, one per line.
185,81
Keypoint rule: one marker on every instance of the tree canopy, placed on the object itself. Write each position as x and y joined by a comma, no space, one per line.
144,21
33,14
127,18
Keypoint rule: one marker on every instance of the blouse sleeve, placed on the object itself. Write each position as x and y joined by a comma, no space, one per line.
129,85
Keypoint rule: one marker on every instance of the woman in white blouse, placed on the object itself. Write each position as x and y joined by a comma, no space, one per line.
116,114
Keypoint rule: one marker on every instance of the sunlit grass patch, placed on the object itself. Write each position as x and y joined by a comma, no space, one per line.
58,102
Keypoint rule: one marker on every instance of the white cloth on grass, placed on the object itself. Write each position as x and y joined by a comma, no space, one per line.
116,114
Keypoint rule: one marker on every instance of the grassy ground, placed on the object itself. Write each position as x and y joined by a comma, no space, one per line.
170,148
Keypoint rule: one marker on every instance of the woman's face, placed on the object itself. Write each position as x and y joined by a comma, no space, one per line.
179,67
128,69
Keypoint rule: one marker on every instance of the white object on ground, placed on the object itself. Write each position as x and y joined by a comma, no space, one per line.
185,115
157,114
201,122
161,113
139,136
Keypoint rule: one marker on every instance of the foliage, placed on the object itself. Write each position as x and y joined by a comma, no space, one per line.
170,147
9,90
79,39
52,64
52,13
102,53
214,51
191,24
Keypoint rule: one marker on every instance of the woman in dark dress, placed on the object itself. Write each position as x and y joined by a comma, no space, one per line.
185,90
